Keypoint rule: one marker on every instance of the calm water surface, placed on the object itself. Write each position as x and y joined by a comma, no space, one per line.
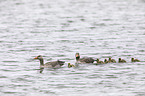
57,29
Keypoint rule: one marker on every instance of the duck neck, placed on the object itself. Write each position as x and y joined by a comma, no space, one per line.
132,59
41,62
77,58
119,59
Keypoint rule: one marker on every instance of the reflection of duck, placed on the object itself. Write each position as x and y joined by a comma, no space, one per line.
134,60
121,60
111,60
99,62
70,65
54,64
84,59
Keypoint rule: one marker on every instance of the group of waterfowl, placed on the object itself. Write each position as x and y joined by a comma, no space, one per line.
91,60
84,60
110,61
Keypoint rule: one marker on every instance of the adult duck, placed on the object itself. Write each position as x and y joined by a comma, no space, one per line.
54,64
84,59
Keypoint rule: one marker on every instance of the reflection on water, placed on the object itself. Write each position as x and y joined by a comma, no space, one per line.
57,30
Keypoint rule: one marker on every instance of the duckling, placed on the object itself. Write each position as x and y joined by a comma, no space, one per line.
134,60
111,60
70,65
121,60
105,61
100,62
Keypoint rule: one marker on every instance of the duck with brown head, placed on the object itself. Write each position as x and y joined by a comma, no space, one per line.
54,64
84,59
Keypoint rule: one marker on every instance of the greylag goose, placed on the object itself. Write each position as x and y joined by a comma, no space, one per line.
134,60
54,64
84,59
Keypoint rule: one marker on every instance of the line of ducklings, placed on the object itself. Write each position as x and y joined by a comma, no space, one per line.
113,61
108,61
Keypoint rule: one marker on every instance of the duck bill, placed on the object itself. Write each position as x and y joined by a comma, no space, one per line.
77,55
36,58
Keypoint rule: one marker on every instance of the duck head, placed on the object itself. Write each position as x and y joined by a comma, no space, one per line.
119,59
97,60
38,57
132,59
109,58
77,56
105,60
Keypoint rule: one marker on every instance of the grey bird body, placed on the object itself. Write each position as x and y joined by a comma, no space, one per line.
84,59
53,64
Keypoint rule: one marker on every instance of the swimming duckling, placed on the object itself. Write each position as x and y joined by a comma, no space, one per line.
121,60
105,61
134,60
111,60
70,65
99,62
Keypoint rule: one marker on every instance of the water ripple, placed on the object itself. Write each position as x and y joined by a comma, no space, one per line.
57,30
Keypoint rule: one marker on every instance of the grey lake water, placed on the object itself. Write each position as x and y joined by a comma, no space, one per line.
57,29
